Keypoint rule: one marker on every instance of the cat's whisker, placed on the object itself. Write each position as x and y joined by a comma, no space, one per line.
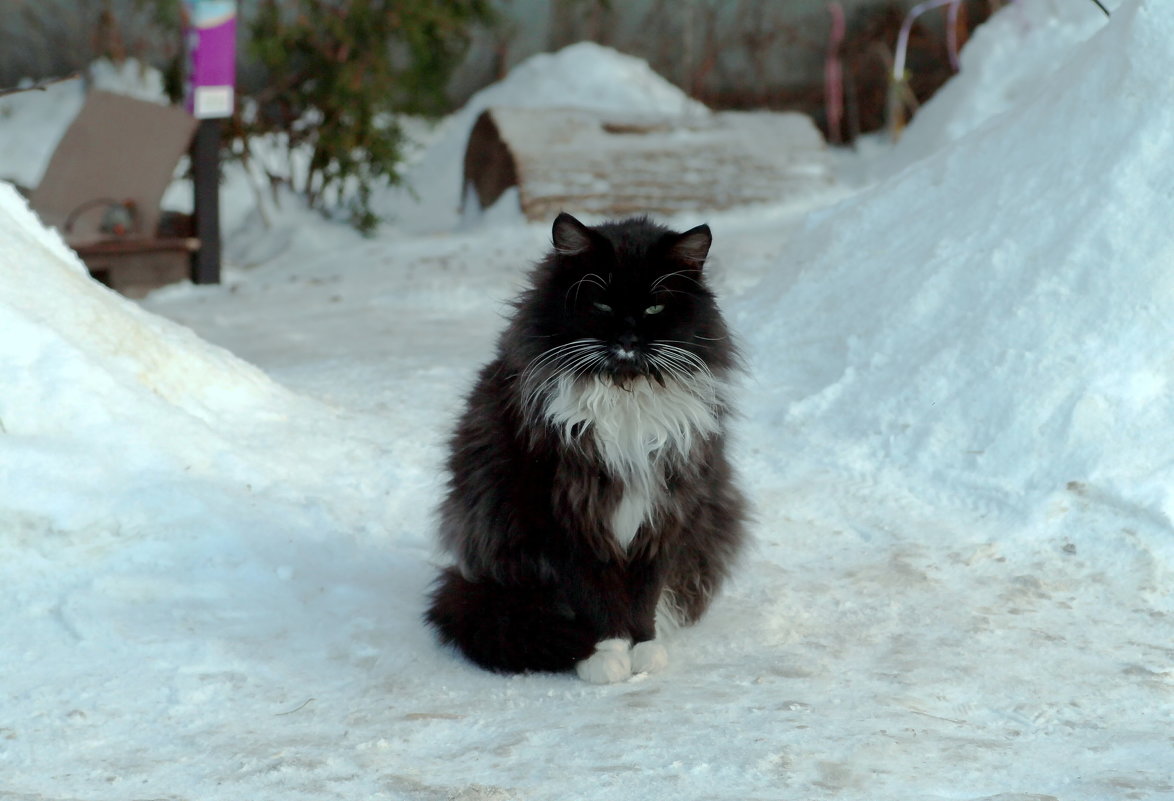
586,364
555,354
683,353
683,356
579,359
675,367
571,372
560,356
575,343
688,369
558,360
684,342
676,359
667,276
665,372
676,375
590,278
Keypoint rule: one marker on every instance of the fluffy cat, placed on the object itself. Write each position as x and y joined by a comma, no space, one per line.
588,474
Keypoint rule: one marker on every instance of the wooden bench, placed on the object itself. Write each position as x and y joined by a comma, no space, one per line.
103,187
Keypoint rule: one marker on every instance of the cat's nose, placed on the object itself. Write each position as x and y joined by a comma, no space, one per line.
627,340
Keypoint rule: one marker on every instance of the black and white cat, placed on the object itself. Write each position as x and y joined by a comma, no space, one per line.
588,475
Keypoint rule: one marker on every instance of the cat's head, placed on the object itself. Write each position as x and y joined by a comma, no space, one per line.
625,300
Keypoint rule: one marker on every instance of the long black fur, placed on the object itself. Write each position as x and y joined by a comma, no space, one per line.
539,577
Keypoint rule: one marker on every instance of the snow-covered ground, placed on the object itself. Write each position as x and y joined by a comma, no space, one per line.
958,432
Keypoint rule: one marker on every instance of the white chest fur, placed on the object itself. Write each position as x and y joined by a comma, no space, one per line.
638,431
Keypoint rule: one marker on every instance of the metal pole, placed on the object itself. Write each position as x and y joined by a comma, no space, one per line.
205,155
210,38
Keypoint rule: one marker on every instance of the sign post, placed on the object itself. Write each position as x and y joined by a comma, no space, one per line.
210,30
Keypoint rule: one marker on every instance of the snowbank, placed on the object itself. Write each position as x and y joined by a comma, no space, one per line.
111,414
99,392
997,318
32,125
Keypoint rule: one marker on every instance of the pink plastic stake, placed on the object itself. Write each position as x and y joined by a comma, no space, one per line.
952,33
833,75
906,27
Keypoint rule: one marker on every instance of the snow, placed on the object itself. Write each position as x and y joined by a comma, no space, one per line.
216,506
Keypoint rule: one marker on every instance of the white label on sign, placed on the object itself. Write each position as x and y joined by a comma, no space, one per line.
212,101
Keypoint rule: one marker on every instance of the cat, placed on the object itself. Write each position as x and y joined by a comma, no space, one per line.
588,479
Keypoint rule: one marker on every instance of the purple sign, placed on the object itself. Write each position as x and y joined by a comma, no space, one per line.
211,40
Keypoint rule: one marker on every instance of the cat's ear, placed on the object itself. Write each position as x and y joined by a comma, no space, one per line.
570,236
692,247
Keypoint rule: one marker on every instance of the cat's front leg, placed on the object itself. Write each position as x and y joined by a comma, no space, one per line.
601,594
621,599
645,581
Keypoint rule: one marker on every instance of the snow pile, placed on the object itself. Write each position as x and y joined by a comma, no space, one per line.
98,392
1009,59
108,409
129,77
997,319
582,75
31,125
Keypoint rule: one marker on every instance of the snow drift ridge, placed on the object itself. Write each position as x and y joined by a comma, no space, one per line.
1010,347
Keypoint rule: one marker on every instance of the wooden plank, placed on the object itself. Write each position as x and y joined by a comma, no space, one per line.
113,247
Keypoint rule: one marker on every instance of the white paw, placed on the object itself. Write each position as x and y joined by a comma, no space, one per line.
610,663
649,657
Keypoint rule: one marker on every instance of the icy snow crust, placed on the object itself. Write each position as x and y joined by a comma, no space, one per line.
957,433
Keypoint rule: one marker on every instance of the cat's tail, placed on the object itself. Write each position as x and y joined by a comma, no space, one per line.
508,629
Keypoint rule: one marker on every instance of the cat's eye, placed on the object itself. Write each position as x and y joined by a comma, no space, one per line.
657,309
603,307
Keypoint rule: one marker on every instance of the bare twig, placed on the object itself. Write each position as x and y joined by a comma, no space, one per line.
295,709
39,86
